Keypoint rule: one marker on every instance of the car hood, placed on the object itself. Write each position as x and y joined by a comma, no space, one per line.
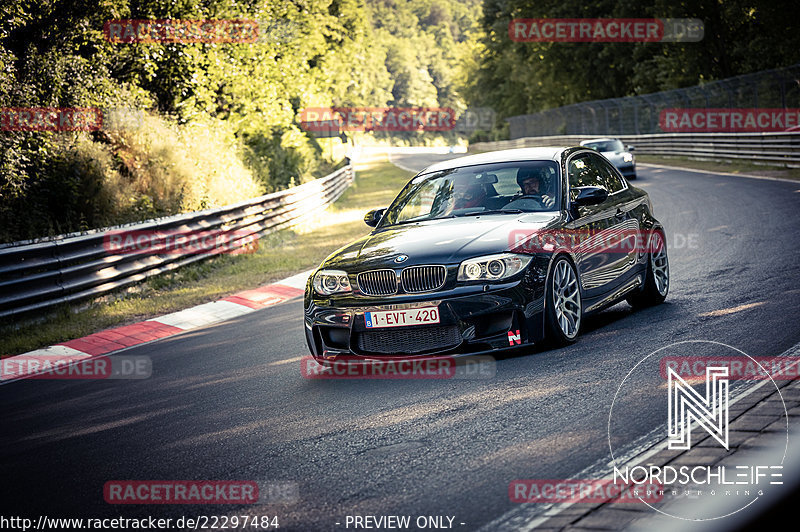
444,241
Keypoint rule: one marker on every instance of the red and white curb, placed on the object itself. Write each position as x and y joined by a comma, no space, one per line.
119,338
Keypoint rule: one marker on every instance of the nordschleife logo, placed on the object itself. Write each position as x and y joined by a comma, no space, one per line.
727,429
686,405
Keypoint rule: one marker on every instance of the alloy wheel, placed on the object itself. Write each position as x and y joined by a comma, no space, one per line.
567,299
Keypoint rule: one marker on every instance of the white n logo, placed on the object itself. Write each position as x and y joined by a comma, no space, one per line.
686,405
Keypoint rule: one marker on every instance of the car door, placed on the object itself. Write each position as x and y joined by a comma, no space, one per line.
599,267
623,228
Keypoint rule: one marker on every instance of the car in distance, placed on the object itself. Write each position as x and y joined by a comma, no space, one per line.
616,152
480,253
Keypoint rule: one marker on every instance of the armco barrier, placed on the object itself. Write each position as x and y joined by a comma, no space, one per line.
642,114
38,275
779,149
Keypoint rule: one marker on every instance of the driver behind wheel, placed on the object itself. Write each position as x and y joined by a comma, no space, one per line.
533,182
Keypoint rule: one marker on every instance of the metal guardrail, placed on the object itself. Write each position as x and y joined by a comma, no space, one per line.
779,148
38,275
639,115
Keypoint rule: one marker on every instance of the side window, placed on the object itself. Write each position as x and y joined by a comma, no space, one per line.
583,173
613,182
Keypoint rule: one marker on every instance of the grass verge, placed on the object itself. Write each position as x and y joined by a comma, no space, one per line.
279,255
723,166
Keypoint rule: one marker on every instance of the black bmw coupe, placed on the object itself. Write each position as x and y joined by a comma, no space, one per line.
486,252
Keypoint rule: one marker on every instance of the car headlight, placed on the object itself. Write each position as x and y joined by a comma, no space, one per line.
492,267
329,282
627,157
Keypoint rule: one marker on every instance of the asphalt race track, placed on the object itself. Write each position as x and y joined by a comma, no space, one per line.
229,401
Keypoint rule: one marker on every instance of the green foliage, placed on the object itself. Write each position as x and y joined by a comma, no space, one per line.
219,121
515,78
426,43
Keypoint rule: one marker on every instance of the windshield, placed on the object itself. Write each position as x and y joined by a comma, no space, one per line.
606,146
500,188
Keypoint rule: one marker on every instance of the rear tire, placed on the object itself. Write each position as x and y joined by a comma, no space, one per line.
656,280
564,307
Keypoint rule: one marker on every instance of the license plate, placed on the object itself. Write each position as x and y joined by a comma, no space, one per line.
402,318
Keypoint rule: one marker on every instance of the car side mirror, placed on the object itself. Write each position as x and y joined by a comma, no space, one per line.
590,196
630,148
373,217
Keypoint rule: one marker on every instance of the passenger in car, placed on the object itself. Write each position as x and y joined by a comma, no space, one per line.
468,195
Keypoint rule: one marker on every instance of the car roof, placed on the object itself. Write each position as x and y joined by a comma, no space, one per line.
500,156
604,139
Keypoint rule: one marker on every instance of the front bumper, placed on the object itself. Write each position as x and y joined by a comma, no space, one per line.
627,169
472,319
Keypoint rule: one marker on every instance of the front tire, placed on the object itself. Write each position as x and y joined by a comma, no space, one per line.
656,281
564,305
